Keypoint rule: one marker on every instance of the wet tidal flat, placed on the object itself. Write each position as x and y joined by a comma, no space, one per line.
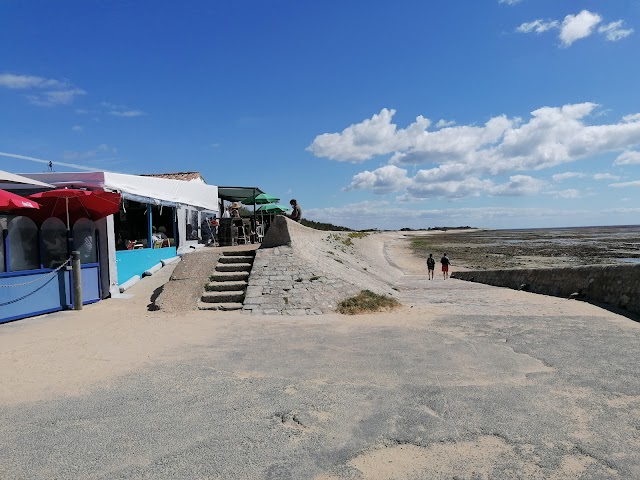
531,248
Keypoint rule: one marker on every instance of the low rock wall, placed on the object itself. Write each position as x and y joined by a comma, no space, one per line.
614,285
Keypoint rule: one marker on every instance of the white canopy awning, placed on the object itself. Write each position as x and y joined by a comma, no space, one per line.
11,181
139,188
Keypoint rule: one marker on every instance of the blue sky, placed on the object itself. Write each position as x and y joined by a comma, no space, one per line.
371,114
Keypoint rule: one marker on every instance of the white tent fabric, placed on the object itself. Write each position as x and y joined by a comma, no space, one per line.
151,189
11,181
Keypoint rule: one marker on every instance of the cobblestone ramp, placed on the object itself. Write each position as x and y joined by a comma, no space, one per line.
302,271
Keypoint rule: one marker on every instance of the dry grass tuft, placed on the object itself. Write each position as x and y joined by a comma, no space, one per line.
367,302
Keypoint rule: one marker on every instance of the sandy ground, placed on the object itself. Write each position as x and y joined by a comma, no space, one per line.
464,381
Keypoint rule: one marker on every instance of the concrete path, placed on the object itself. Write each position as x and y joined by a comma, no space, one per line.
465,381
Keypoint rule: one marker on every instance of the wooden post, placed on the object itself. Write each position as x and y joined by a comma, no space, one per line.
77,282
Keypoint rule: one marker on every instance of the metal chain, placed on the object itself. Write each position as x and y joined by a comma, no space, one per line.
38,278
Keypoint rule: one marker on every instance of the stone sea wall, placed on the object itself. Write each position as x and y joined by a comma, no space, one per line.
614,285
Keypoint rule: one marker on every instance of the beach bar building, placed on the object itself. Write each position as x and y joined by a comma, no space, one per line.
123,245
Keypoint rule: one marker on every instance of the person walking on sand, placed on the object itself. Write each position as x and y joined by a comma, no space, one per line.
445,266
431,266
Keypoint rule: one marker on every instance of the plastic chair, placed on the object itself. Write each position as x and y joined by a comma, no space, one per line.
242,234
260,232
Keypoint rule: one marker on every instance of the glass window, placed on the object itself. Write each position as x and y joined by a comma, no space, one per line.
1,250
53,238
192,224
23,244
84,240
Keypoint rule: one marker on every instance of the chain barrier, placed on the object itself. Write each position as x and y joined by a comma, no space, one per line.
38,278
50,274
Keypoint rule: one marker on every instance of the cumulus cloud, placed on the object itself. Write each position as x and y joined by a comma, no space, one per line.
383,180
576,27
442,123
463,158
613,31
367,139
628,157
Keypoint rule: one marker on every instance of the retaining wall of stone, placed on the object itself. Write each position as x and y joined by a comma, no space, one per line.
614,285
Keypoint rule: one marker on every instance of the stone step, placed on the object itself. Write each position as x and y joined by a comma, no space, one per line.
219,306
240,253
225,286
233,267
235,259
228,276
230,296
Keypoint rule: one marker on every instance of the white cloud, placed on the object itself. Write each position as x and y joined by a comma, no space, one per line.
25,82
518,185
576,27
569,193
635,183
509,2
559,177
634,117
628,157
121,110
538,26
605,176
613,31
365,140
464,157
55,97
77,128
383,180
442,123
55,92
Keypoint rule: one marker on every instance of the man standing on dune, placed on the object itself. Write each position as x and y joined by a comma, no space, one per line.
445,266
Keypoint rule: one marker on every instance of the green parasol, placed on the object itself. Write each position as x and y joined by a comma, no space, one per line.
260,199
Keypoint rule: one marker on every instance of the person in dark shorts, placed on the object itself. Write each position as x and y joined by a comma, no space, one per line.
445,266
431,266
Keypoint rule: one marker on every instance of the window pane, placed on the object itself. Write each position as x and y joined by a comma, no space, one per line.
53,235
23,244
84,240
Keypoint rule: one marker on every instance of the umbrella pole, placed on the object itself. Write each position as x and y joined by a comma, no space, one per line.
67,202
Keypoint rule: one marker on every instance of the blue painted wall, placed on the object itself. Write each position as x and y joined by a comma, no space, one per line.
46,293
135,262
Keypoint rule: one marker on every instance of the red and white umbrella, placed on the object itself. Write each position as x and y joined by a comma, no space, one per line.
72,203
10,202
